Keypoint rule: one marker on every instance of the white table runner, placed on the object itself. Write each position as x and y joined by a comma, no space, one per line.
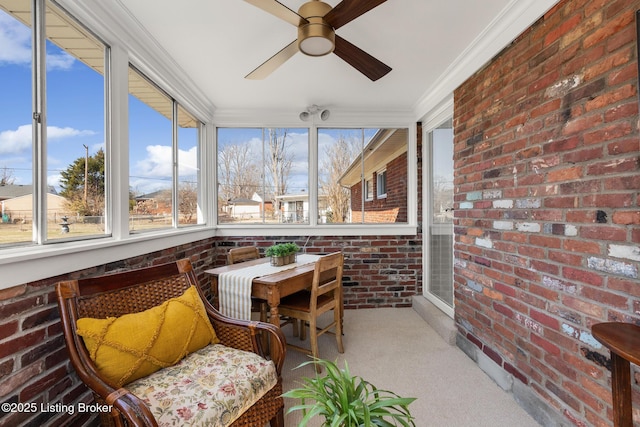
234,287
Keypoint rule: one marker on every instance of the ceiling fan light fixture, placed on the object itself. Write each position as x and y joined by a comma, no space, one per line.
316,39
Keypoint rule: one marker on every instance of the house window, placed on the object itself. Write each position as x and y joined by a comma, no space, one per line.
345,156
263,175
161,134
368,189
381,184
66,135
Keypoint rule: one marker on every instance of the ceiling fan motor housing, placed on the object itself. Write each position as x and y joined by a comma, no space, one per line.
315,38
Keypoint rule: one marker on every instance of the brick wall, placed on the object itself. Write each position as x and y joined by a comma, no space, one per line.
381,271
389,209
34,365
547,204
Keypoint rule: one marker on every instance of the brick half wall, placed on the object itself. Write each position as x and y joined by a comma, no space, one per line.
381,271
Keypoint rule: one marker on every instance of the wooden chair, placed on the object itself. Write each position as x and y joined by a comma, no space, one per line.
248,253
135,291
325,295
244,253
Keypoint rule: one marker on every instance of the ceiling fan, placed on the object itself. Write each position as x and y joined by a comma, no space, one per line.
317,22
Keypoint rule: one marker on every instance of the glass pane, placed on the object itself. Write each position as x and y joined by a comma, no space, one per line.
188,137
16,166
150,155
339,151
75,129
441,217
263,175
362,175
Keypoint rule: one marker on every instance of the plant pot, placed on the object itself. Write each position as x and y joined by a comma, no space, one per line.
283,260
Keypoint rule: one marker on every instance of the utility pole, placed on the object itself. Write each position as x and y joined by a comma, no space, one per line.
86,172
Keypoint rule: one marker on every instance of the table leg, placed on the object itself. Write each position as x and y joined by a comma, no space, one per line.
621,391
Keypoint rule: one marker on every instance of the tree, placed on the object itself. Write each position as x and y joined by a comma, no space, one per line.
187,200
73,185
6,176
238,173
278,161
338,158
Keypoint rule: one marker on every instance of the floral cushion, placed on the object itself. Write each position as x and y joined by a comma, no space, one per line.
210,387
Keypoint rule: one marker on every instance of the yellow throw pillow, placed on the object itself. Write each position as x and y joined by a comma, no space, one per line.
135,345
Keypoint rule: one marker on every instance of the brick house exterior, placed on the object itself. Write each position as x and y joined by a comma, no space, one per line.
547,229
392,207
547,206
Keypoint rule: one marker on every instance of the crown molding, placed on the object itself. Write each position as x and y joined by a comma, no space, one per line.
514,19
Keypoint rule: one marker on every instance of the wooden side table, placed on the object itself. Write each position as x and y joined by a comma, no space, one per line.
623,340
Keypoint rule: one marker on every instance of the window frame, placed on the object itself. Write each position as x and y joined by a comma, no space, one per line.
381,175
369,121
368,189
130,44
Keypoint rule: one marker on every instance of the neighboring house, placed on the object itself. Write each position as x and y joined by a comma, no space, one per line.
243,208
295,208
385,179
156,203
16,203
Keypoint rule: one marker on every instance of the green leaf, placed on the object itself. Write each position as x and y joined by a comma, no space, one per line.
348,401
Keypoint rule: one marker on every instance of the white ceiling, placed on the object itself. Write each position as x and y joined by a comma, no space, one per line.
218,42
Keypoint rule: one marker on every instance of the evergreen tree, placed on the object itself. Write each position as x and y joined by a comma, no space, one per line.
73,185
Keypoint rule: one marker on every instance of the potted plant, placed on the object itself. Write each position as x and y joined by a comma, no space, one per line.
348,401
282,253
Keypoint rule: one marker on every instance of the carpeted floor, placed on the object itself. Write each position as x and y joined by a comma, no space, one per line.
396,350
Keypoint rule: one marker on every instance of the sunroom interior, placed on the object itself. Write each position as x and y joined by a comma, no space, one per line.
135,135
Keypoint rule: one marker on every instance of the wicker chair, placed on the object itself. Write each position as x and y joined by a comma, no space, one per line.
134,291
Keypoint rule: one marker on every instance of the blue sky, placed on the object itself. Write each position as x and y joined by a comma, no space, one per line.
75,118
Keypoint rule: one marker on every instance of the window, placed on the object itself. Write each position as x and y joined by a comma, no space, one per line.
263,176
16,146
368,189
188,169
156,201
69,178
345,157
381,184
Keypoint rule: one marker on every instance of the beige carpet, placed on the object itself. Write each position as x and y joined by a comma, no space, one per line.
396,350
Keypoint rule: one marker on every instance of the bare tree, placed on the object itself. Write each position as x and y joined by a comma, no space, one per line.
187,200
6,176
336,161
238,173
278,161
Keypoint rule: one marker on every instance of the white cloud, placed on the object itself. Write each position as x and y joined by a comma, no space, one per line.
19,140
54,132
15,41
157,163
15,46
16,141
154,172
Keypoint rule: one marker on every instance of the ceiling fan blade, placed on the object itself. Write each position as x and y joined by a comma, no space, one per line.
360,60
270,65
348,10
278,10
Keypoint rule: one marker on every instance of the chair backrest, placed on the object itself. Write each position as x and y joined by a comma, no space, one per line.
132,291
327,276
244,253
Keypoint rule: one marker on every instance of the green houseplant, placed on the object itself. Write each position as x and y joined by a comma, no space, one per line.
282,253
348,401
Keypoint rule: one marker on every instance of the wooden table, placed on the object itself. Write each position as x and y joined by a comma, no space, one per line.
623,340
272,287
